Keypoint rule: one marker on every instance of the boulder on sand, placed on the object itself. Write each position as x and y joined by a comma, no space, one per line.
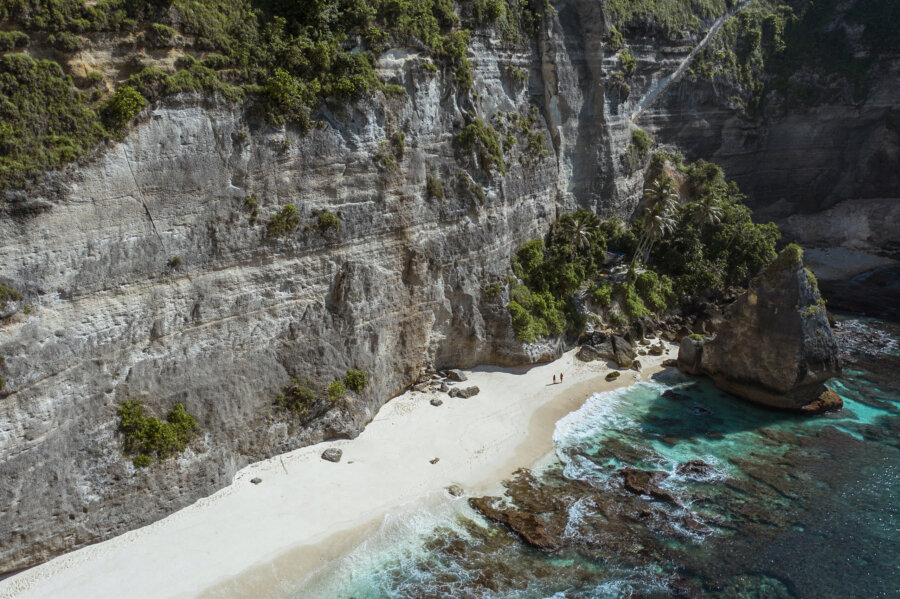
332,455
468,392
456,375
616,349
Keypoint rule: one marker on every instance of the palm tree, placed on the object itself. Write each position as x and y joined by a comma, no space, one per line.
658,217
579,232
708,209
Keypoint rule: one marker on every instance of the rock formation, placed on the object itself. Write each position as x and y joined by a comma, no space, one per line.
775,346
146,273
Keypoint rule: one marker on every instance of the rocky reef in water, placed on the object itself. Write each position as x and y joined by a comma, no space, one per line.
775,346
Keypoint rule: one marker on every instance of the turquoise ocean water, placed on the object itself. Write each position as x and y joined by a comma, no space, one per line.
781,506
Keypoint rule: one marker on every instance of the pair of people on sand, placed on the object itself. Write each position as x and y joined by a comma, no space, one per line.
560,378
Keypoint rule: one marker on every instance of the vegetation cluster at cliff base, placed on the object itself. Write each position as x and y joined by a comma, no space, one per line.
145,436
701,243
300,397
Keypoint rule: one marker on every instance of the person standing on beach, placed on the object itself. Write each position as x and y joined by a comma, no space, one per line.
560,378
554,379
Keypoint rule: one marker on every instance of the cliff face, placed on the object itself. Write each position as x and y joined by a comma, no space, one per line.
398,288
828,173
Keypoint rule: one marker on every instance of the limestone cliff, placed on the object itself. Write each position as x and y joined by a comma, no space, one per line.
396,289
146,274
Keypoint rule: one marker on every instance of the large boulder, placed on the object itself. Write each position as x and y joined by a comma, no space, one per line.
616,349
457,375
623,352
775,346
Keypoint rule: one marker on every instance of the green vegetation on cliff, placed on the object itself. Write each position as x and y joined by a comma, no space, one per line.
145,436
673,18
801,49
288,56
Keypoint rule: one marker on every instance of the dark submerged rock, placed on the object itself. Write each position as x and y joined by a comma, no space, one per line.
525,524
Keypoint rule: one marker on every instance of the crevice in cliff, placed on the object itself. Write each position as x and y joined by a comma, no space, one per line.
142,198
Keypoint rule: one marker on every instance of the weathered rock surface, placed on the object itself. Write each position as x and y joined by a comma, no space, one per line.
457,375
775,347
526,524
646,482
696,469
601,346
396,290
332,455
468,392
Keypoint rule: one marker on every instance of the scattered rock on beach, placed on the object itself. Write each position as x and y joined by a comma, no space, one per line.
256,480
468,392
587,353
332,455
613,375
456,375
636,365
454,391
437,402
444,387
434,461
455,490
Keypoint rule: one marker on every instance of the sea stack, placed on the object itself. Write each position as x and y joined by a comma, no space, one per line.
775,347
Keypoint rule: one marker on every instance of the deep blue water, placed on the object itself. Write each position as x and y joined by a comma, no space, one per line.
790,506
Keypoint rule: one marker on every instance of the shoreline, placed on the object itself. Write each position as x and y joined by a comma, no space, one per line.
256,540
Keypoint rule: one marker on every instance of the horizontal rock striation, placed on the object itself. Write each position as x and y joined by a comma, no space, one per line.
147,277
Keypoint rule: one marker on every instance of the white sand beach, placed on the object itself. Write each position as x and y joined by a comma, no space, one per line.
247,539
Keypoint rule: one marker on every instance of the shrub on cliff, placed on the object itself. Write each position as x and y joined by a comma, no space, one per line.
122,107
284,221
145,436
8,294
297,398
328,220
44,120
336,390
356,380
484,141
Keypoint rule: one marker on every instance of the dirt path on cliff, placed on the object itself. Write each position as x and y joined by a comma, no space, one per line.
663,84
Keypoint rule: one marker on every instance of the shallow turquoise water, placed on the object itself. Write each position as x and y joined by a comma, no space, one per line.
792,506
